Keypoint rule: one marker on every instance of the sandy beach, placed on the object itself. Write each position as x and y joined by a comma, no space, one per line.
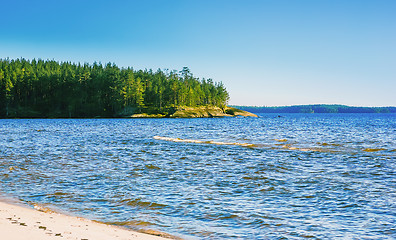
24,223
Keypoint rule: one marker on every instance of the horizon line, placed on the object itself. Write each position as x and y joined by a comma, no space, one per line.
315,104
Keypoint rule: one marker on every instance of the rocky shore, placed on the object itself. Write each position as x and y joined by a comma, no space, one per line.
196,112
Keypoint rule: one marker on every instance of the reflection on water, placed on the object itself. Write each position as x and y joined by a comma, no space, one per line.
301,176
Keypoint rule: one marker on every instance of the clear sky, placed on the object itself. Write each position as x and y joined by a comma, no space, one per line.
266,52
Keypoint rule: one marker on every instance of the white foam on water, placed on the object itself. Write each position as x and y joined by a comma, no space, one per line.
200,141
313,149
283,146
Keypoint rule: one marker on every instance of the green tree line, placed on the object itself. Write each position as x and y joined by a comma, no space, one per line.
39,88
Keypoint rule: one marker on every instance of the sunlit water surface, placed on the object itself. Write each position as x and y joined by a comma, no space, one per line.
297,176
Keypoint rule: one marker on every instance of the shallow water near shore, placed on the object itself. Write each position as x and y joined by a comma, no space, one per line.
320,176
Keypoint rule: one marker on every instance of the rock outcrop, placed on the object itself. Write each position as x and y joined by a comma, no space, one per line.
237,112
196,112
199,112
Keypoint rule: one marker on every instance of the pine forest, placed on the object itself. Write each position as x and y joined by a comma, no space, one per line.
51,89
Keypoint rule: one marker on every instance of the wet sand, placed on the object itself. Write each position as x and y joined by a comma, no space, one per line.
24,223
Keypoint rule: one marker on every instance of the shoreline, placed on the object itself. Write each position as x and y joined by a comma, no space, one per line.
175,112
20,222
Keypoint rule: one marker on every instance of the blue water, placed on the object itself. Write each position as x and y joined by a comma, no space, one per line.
320,176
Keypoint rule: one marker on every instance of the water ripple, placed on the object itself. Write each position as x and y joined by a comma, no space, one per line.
301,176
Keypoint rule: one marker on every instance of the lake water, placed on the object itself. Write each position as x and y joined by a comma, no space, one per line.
320,176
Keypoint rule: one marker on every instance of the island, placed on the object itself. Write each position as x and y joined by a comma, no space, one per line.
51,89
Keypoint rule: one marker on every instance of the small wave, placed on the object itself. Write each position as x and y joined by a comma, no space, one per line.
58,193
311,149
144,204
220,216
152,167
132,223
42,208
203,142
329,144
373,149
267,189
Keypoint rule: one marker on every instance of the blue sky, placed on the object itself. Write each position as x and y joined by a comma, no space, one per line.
266,52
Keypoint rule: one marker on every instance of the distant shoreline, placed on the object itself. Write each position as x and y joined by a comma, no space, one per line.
316,108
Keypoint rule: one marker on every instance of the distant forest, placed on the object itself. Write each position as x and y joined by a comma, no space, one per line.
39,88
320,108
